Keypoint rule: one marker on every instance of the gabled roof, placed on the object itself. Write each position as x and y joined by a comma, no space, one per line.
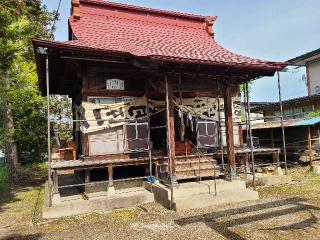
156,34
304,58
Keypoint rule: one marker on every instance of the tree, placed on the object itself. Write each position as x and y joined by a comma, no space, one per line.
20,21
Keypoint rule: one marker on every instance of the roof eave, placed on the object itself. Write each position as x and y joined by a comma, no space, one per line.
304,58
272,67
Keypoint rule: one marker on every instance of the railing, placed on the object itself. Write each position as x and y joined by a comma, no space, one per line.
199,163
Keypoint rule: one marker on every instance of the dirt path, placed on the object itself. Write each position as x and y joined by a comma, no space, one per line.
282,213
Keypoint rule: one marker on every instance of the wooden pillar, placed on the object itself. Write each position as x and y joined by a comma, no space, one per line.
246,163
272,138
229,130
309,146
170,126
110,173
240,135
87,175
156,169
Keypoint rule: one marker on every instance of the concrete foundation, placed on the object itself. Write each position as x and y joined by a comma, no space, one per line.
70,202
203,194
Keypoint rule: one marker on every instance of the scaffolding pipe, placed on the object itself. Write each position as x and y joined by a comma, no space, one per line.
246,100
150,154
220,135
48,132
282,126
169,151
251,141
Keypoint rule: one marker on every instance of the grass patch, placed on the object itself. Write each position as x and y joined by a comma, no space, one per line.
306,185
3,177
33,170
112,220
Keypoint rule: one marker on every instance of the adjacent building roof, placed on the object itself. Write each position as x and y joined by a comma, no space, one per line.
274,124
143,32
286,123
304,58
294,101
308,122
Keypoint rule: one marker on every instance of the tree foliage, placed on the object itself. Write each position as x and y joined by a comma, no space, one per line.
20,21
314,114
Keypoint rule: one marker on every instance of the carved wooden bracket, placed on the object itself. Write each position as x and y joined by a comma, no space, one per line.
209,25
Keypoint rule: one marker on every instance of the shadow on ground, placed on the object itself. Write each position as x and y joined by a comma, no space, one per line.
23,237
29,176
223,227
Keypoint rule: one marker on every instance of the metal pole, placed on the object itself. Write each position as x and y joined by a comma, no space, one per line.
309,146
215,180
199,165
246,110
251,142
282,127
221,135
150,154
48,133
170,156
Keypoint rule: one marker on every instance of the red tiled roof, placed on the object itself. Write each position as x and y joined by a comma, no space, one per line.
151,33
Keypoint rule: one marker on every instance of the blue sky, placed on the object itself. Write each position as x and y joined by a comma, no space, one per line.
275,30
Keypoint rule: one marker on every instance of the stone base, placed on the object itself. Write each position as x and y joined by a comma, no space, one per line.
203,194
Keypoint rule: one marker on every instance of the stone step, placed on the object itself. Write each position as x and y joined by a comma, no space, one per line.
207,187
202,194
210,200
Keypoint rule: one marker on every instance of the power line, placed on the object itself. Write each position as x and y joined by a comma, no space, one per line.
56,15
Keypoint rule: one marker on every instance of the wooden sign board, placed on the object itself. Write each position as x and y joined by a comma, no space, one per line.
114,84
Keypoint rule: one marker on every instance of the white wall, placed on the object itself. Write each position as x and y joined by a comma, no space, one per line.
314,77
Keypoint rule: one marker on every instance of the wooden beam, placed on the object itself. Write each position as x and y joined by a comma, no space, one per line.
86,145
272,138
111,93
240,135
170,125
110,173
87,175
229,130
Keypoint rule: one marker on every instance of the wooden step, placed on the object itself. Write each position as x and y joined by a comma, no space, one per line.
195,165
191,157
194,172
187,165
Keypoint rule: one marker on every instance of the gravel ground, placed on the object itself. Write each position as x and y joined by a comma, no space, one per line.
280,214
